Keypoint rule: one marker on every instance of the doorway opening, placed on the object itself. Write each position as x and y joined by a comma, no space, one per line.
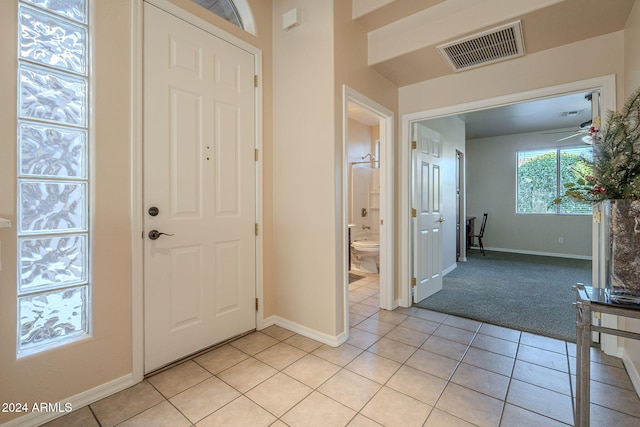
605,85
367,214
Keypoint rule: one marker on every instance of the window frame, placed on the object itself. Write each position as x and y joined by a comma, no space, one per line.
558,209
229,6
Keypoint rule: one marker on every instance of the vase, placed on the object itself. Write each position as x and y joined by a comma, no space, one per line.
624,245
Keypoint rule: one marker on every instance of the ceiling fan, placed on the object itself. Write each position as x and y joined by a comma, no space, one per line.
584,129
589,129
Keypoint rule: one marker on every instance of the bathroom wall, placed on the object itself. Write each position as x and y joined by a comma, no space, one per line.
364,180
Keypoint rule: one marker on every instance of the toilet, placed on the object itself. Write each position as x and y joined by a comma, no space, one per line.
365,254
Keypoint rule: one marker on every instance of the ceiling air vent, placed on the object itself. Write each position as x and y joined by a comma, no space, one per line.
497,44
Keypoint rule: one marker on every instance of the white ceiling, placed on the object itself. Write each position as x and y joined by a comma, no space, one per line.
564,112
358,114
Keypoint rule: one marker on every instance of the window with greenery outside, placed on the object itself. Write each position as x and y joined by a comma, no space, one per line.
542,175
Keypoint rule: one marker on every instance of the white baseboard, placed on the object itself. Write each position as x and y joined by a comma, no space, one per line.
75,402
397,303
524,252
632,370
449,269
333,341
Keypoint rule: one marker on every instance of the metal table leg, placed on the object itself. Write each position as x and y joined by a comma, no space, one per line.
583,362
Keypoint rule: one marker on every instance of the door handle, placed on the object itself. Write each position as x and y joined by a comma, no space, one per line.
155,234
441,220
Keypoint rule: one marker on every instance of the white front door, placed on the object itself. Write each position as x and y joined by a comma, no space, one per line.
199,189
427,202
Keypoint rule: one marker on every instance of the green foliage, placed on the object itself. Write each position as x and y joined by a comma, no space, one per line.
537,182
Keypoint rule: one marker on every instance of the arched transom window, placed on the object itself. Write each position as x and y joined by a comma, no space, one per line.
223,8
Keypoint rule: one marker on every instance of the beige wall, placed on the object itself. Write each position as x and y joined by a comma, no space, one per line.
632,50
351,69
311,64
304,178
66,371
551,67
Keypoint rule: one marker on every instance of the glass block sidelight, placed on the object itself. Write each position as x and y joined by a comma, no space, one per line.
52,151
49,318
52,41
47,262
52,96
49,206
72,9
53,143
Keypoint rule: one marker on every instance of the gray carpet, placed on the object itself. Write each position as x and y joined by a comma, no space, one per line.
526,292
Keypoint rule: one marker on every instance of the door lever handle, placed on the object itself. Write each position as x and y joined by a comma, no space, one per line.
155,234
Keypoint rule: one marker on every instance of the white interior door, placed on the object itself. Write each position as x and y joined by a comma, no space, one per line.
199,188
427,202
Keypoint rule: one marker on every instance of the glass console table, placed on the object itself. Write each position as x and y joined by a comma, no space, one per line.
593,300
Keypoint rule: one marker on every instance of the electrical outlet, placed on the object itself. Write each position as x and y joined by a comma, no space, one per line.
560,239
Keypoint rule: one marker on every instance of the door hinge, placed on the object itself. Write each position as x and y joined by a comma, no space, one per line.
257,304
414,145
414,282
256,155
255,80
414,213
256,229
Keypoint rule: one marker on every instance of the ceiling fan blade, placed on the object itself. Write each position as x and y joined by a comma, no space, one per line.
556,132
570,136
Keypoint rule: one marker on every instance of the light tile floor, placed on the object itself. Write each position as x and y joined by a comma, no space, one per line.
408,367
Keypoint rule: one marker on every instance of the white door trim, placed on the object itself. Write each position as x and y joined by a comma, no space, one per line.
387,186
137,211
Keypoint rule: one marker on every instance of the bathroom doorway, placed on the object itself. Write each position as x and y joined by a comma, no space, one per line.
368,198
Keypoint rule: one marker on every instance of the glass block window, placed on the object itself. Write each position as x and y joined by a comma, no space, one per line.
223,8
53,177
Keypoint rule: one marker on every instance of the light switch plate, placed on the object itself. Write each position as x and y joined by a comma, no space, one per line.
290,19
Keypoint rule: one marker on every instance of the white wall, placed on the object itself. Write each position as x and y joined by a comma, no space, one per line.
452,132
493,189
